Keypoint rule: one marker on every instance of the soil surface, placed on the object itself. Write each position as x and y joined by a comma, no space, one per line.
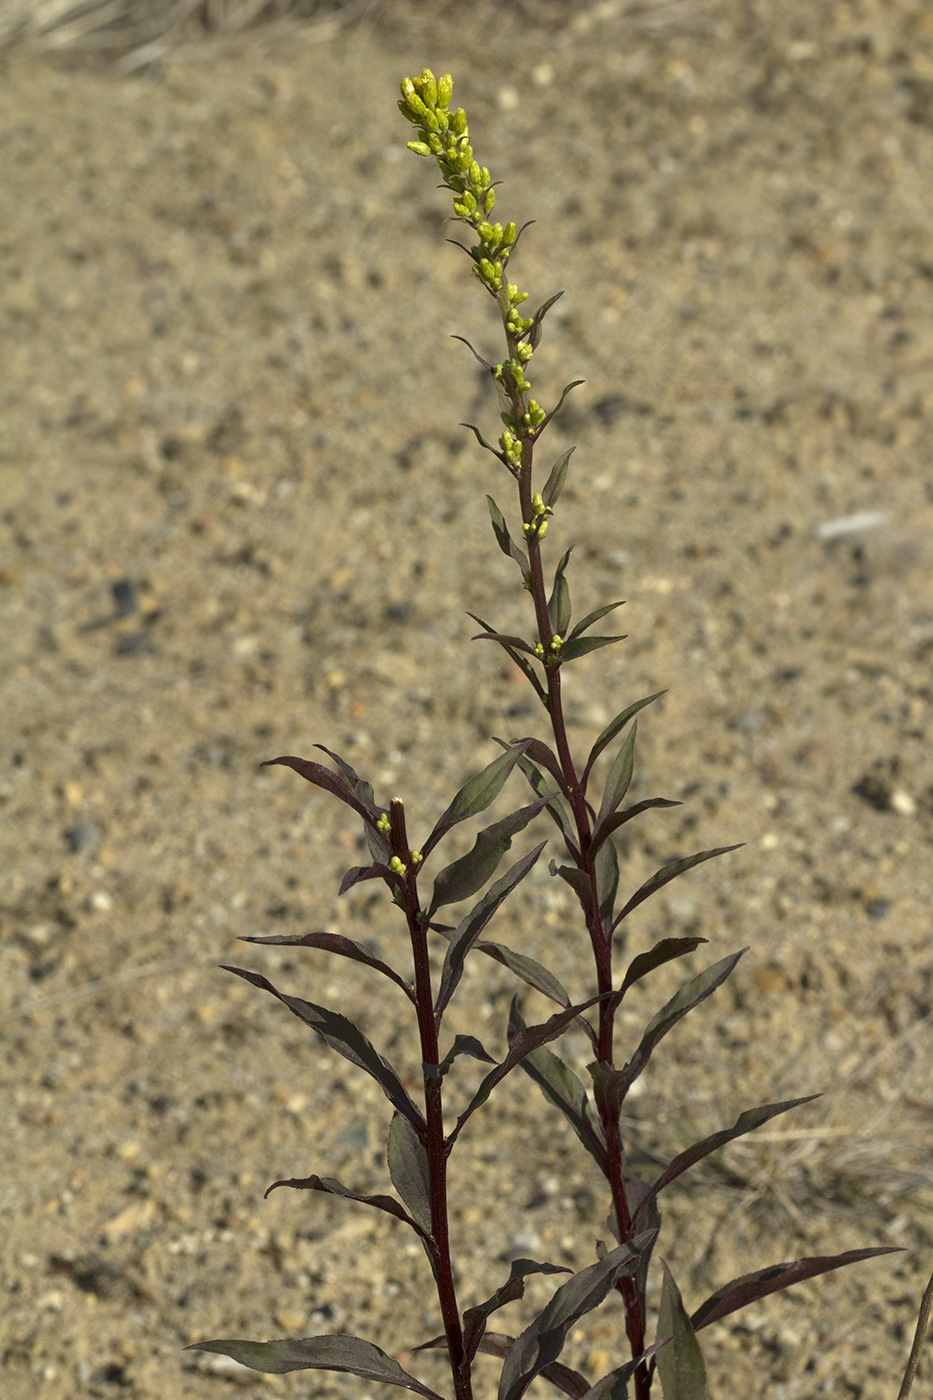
239,519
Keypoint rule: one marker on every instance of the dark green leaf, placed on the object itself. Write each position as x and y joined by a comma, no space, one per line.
680,1363
464,877
358,873
747,1122
464,1045
579,882
617,819
750,1287
335,943
581,645
534,332
348,1040
474,1319
689,996
557,478
504,539
611,730
613,1386
336,1353
408,1167
543,1340
593,617
606,868
528,970
619,776
362,789
555,809
472,926
666,874
664,951
558,607
538,752
562,1088
487,365
388,1204
476,795
523,662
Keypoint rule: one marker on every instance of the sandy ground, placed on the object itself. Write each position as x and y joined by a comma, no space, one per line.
239,518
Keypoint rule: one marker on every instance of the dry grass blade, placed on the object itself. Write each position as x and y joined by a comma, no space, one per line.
913,1361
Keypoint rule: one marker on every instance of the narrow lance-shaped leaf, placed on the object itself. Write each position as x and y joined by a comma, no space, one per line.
562,1088
667,873
541,978
331,1353
555,809
326,1184
559,405
472,426
689,996
463,1045
359,785
534,331
476,795
407,1157
381,870
746,1122
472,926
612,822
611,730
750,1287
592,617
543,1340
551,491
606,867
680,1363
325,778
348,1040
474,1319
581,646
558,607
663,951
335,943
464,877
619,776
504,540
524,663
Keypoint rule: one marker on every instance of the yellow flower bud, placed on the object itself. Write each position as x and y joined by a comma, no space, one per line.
445,87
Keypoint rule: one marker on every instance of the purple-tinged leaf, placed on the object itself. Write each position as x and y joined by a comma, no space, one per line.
614,1386
558,406
358,873
463,1045
680,1363
472,926
526,666
534,331
504,540
558,606
606,870
476,795
539,753
555,809
335,943
690,995
592,617
485,363
543,1340
579,882
619,776
387,1204
497,1344
479,437
562,1088
362,789
333,1353
524,1043
348,1040
557,478
407,1157
580,646
747,1122
611,730
750,1287
663,951
528,970
617,819
667,873
506,640
474,1319
464,877
325,778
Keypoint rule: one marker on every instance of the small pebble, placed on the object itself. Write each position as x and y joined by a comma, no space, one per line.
83,836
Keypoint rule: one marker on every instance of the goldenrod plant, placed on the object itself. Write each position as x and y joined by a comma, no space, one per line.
583,795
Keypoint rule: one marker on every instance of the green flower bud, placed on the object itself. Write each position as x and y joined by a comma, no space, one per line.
459,122
445,88
489,201
469,200
525,352
539,649
416,856
419,148
407,89
542,531
476,173
384,824
397,866
436,145
428,89
509,235
485,231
